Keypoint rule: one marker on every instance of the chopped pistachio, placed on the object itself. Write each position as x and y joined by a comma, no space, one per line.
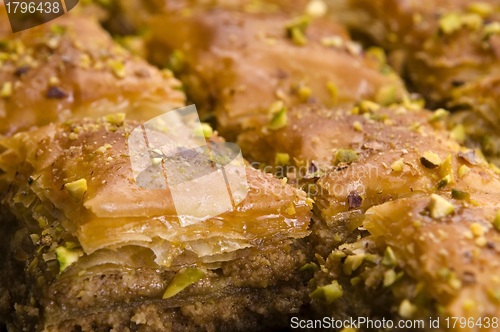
334,92
481,8
73,136
156,161
355,281
204,130
444,182
472,21
397,166
116,118
76,189
491,29
282,159
389,259
296,30
440,207
316,8
328,293
477,229
176,61
304,93
118,68
406,309
35,238
182,279
461,195
347,156
458,133
66,257
358,126
496,221
377,53
430,160
352,262
438,115
462,171
275,107
333,41
389,277
367,106
290,209
313,267
450,23
6,91
279,121
446,171
386,95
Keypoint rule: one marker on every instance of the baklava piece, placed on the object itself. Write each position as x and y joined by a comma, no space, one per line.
246,68
71,68
86,248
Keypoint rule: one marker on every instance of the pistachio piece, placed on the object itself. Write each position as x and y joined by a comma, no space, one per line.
118,68
458,133
352,262
386,95
176,61
67,257
76,189
462,171
470,156
398,165
182,279
116,118
481,8
312,267
450,23
55,92
389,258
6,91
204,130
346,156
280,120
438,115
496,221
328,293
354,200
367,106
460,195
358,126
334,92
282,159
491,29
389,277
304,93
440,207
430,160
444,182
275,107
406,309
446,171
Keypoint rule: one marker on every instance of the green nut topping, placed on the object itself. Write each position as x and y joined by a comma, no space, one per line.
389,259
183,279
389,277
386,95
282,159
77,189
116,118
483,9
430,160
296,29
450,23
439,115
352,263
313,267
444,182
328,293
440,207
176,61
334,92
461,195
204,130
346,156
66,257
280,120
6,91
496,221
491,29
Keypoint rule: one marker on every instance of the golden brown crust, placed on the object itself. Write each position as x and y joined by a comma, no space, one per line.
71,68
219,65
